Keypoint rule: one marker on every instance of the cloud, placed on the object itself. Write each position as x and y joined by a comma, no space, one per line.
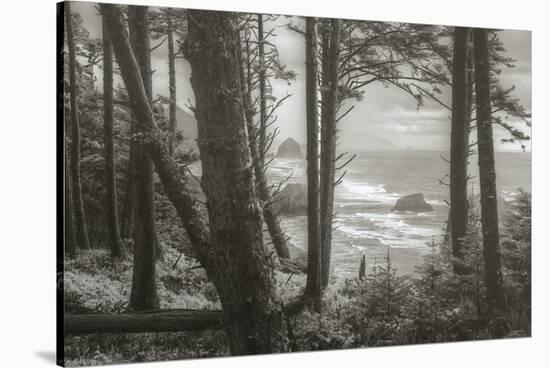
385,112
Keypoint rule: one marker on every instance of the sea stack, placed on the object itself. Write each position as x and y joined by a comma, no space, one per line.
413,203
291,200
289,149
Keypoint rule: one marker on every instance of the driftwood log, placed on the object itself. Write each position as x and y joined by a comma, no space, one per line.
159,321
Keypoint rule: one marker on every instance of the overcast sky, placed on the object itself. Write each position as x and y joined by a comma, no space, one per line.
384,114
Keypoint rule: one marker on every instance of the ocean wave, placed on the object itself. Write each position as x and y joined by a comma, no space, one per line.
366,192
353,231
390,229
363,188
509,196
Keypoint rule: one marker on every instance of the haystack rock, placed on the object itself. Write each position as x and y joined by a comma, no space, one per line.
414,203
291,200
289,149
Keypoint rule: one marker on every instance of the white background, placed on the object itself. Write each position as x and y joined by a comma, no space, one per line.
27,187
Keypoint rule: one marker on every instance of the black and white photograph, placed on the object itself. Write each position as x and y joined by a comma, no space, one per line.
243,184
248,183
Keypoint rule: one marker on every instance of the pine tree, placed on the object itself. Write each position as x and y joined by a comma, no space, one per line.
313,285
487,174
144,290
230,247
258,158
460,131
110,169
78,203
328,148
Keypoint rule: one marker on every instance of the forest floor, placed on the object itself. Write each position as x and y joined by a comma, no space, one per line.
94,282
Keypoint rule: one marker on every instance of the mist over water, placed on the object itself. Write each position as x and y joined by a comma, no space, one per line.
373,183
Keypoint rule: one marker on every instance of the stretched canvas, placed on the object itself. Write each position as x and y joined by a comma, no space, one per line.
241,184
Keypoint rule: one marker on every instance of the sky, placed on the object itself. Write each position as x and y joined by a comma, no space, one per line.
386,114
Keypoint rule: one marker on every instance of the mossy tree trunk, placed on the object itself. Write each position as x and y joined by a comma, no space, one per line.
110,169
144,291
487,175
252,313
81,230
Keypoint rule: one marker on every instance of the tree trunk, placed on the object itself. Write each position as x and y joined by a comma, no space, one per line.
263,122
313,283
460,130
328,150
110,169
487,175
144,291
78,204
252,311
232,251
273,226
128,207
172,82
70,240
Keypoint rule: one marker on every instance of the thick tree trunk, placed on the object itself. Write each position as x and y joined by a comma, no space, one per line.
328,150
144,291
263,122
273,226
487,175
313,283
161,321
252,311
460,131
232,251
172,84
110,169
78,204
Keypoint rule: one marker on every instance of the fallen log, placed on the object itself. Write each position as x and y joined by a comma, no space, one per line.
158,321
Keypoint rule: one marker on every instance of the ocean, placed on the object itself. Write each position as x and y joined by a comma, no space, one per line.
373,183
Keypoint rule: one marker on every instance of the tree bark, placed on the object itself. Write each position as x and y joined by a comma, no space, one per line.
313,283
78,204
110,169
328,150
487,175
70,240
144,291
161,321
128,207
231,251
273,226
460,130
252,311
172,84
